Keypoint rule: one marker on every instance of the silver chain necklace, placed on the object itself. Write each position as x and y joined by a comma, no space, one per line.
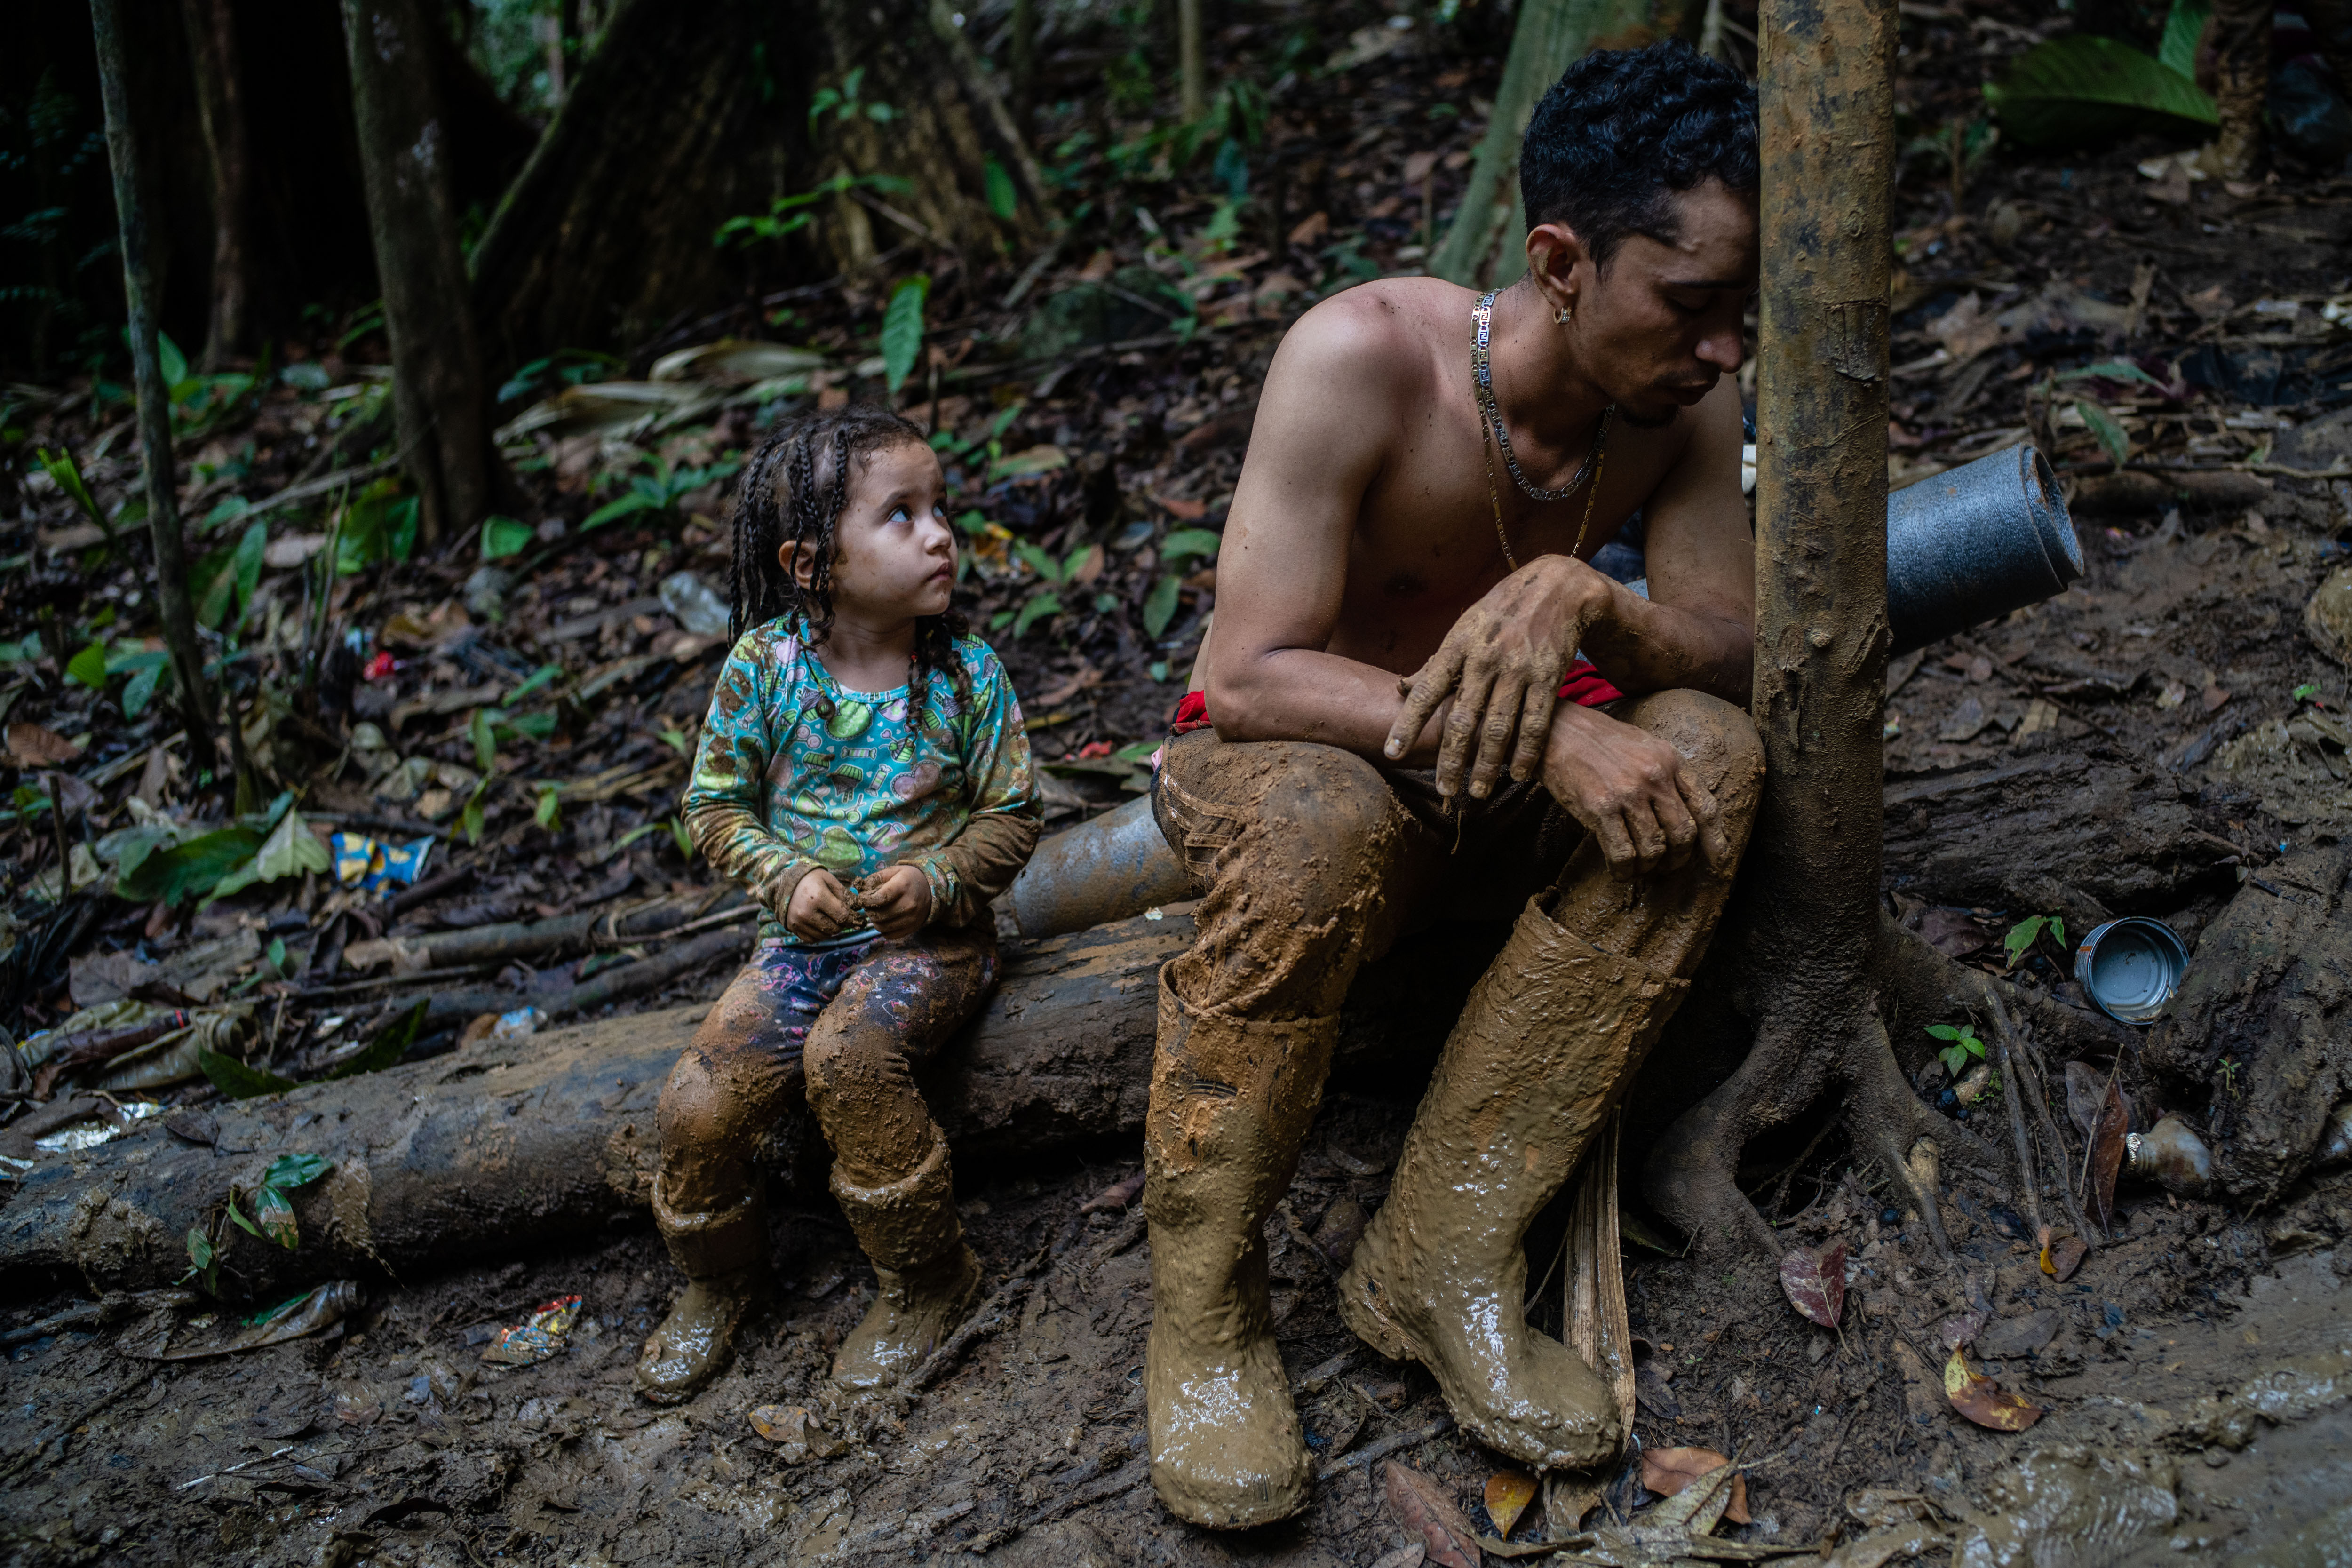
1482,370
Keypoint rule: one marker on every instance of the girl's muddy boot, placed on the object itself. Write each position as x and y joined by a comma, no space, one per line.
724,1255
1230,1102
1547,1042
929,1278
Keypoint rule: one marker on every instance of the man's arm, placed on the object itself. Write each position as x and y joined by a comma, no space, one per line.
1696,631
1324,424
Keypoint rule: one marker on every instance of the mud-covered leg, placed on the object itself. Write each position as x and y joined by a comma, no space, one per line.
1304,851
1543,1049
725,1090
890,1169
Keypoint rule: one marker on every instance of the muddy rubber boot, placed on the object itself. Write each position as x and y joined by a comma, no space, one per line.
723,1253
929,1278
1230,1102
1547,1043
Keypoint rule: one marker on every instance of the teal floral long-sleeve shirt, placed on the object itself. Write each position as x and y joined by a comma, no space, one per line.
793,773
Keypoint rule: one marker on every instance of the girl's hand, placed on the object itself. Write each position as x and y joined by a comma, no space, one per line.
819,907
898,901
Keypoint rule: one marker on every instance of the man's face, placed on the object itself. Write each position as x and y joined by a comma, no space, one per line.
1662,321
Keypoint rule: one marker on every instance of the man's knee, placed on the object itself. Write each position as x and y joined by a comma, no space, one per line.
1715,737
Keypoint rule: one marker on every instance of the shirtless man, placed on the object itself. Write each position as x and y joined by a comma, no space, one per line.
1400,589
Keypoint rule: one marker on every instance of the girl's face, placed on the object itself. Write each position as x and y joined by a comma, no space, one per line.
897,552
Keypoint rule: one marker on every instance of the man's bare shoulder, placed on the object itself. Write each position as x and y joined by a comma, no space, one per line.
1379,337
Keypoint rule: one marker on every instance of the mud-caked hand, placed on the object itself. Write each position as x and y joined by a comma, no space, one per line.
897,900
1502,661
819,907
1637,795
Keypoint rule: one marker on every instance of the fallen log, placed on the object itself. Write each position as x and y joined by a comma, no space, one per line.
552,1140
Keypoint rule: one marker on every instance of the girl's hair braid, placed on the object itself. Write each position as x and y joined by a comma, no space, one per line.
794,491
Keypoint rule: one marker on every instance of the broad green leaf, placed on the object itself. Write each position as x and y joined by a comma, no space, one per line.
634,502
1003,200
486,745
902,329
66,472
1186,543
1944,1031
88,667
390,1045
212,582
2083,88
549,810
2103,425
2183,25
680,836
503,536
200,1249
196,867
470,818
139,690
2023,935
236,1080
243,1224
174,363
1159,606
1043,564
291,849
277,1217
537,679
1040,605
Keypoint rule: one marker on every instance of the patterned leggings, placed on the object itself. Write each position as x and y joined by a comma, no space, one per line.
850,1023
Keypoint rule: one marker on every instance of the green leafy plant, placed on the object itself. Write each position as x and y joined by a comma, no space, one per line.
680,836
1182,544
658,491
845,103
902,329
2103,425
790,214
380,524
388,1048
273,1216
547,810
2027,932
1961,1047
62,467
2082,88
2306,692
1003,200
504,536
225,580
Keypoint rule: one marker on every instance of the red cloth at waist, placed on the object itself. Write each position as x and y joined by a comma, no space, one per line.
1584,685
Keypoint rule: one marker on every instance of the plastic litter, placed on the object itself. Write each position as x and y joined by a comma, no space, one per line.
365,862
520,1025
2131,967
694,605
89,1134
536,1338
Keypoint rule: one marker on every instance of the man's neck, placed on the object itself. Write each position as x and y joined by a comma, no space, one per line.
1540,387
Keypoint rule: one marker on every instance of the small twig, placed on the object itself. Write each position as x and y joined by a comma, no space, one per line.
2039,1091
2013,1091
1396,1442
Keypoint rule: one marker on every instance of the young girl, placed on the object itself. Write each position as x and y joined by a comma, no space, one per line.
865,774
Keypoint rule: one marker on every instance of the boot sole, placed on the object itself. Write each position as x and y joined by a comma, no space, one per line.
1269,1511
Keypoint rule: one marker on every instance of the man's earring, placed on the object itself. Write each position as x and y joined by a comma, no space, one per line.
1564,315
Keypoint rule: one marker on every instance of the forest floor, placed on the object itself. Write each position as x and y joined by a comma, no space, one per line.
559,688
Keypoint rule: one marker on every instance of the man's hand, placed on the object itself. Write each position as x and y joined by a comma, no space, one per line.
1503,662
898,900
819,907
1636,793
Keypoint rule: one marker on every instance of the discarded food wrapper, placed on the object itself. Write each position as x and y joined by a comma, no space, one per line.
536,1338
519,1025
365,862
96,1129
2131,967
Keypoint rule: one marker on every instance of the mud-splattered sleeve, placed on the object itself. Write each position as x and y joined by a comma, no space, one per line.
724,807
981,861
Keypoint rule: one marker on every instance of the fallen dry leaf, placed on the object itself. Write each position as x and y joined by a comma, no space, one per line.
1814,1282
1985,1402
38,746
2107,1156
1960,1329
1508,1492
1667,1471
1419,1504
2060,1259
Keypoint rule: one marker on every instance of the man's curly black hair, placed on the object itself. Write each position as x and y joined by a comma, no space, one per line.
1621,128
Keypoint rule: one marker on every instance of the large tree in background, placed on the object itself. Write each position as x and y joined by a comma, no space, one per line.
440,406
669,130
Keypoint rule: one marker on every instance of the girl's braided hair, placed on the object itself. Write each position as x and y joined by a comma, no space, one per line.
794,491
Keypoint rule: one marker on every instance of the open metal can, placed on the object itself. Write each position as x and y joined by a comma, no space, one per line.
2131,968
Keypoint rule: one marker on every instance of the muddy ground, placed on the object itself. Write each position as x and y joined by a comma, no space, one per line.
2181,664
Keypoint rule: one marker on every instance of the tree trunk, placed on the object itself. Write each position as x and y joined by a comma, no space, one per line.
1485,244
2241,58
438,402
553,1140
212,47
1803,930
669,131
139,294
1193,86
